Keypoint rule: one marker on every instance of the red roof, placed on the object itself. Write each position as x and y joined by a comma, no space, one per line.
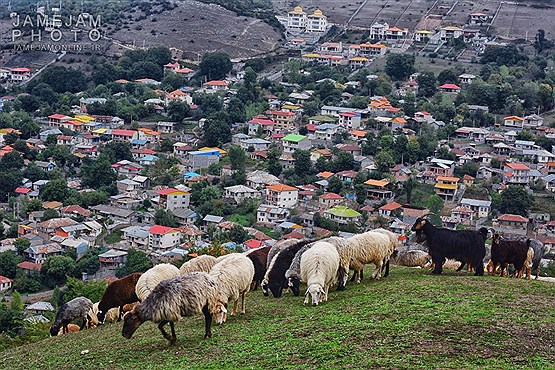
121,132
253,244
30,266
262,121
293,235
512,218
76,209
162,230
391,206
20,69
281,113
57,116
330,196
4,279
22,190
517,166
216,83
169,191
450,87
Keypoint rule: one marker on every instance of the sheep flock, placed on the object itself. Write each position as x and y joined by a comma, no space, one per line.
164,294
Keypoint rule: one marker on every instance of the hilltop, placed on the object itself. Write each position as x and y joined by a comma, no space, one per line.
408,320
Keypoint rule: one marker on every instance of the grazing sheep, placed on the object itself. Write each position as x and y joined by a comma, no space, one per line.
463,245
117,294
224,256
395,242
77,308
359,250
275,280
278,247
259,258
414,258
293,273
169,301
539,251
201,263
111,316
233,277
319,266
152,277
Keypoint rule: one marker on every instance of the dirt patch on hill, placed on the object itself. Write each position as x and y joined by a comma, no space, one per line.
196,28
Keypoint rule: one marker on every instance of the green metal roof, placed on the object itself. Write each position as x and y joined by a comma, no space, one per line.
294,137
343,211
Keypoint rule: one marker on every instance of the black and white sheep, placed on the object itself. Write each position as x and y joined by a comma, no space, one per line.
319,266
169,301
118,294
201,263
540,250
259,258
293,273
233,277
77,308
154,276
274,280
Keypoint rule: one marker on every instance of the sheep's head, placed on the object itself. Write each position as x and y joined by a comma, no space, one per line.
54,329
419,224
316,292
101,316
131,322
265,289
220,312
294,284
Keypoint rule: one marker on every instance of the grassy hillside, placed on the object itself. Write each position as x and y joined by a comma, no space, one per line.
408,320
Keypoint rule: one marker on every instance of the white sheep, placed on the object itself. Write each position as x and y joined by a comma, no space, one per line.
319,266
152,277
414,258
203,262
362,249
233,277
111,316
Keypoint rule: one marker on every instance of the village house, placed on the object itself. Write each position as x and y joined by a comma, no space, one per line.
171,199
513,121
532,121
293,142
342,215
388,210
240,193
215,86
282,195
328,200
112,260
260,179
350,120
39,253
116,214
5,283
481,208
466,78
512,221
260,124
463,214
446,187
283,120
162,238
516,174
270,214
136,236
378,189
441,167
450,32
202,158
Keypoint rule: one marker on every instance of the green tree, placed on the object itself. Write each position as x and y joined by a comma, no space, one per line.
97,173
335,185
137,261
238,234
8,264
237,159
62,79
303,165
217,130
21,244
50,214
215,66
55,190
178,111
435,204
399,66
384,161
274,166
89,262
17,302
448,76
515,200
361,193
92,290
426,84
27,283
57,268
409,186
541,42
45,93
165,218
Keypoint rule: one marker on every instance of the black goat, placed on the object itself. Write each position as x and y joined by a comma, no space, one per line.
259,257
463,245
504,252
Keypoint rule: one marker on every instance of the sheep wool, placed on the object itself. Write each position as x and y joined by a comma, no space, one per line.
414,258
184,295
319,266
201,263
293,273
148,281
233,277
77,308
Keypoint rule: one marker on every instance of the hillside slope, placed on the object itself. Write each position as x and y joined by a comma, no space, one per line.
408,320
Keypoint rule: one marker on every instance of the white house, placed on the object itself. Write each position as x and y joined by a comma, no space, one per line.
282,195
239,193
162,238
481,208
267,213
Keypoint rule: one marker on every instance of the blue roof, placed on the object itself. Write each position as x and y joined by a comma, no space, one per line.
205,152
149,158
137,141
191,174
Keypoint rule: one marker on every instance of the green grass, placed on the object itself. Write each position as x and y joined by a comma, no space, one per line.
410,320
114,237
